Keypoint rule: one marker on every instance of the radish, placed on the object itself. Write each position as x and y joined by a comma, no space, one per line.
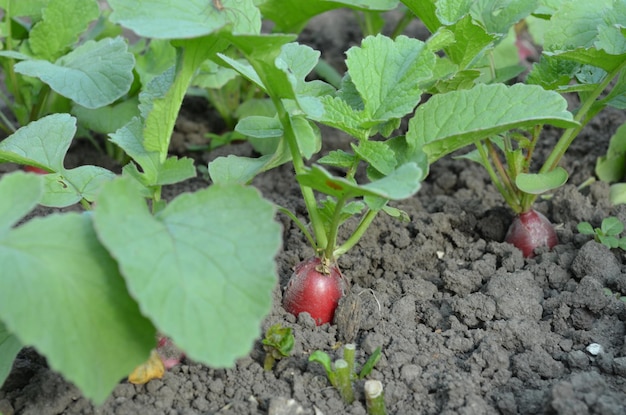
531,230
34,169
314,288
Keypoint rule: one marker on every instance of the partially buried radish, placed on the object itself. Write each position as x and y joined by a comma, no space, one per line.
531,230
34,169
315,287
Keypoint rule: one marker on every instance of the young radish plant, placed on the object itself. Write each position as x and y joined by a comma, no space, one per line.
505,123
384,82
342,372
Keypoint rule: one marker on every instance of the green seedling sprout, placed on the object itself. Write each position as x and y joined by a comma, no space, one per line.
342,373
374,397
278,343
607,234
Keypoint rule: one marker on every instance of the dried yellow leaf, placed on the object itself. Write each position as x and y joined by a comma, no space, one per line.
152,369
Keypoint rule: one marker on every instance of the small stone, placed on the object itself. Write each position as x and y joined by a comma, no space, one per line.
594,349
284,406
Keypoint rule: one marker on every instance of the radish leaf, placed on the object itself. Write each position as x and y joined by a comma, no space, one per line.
399,184
388,74
78,273
42,143
165,19
93,75
537,183
62,23
202,268
451,121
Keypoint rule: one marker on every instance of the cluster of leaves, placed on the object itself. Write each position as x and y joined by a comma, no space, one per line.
278,343
55,64
96,287
342,372
607,234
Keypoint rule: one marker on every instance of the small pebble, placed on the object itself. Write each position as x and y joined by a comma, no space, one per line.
595,349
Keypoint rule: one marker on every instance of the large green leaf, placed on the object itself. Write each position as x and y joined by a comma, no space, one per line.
448,122
93,75
44,143
389,73
290,16
70,186
171,19
73,306
63,21
576,23
202,269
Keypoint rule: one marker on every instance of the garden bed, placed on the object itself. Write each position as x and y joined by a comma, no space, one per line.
466,324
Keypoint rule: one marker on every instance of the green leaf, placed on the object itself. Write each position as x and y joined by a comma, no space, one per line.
108,119
20,194
339,114
338,158
327,209
575,24
202,269
617,193
260,127
73,305
585,228
499,16
32,8
130,139
471,40
389,74
166,19
377,154
612,226
241,170
10,346
175,170
236,169
42,143
451,11
537,183
291,16
451,121
68,187
612,166
371,362
324,359
93,75
401,183
63,22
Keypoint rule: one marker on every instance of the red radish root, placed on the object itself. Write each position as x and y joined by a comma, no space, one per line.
531,230
315,288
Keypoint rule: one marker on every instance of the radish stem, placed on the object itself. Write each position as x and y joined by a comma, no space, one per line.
343,377
374,397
